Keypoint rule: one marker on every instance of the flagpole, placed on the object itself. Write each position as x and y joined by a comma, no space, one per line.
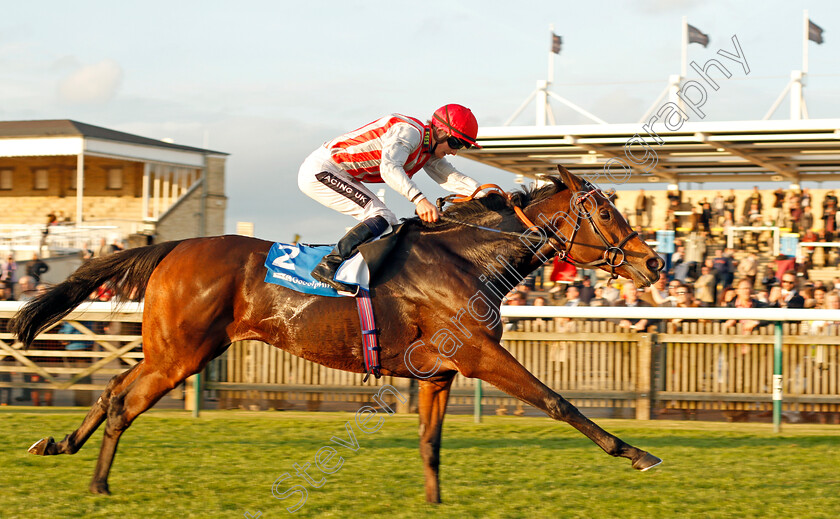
543,109
542,93
544,113
806,31
675,82
550,76
684,56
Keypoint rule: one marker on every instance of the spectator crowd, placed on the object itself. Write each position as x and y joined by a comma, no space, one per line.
793,209
718,281
703,271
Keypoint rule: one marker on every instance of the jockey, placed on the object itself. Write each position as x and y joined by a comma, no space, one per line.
390,150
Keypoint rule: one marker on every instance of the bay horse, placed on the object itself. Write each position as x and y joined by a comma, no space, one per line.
202,294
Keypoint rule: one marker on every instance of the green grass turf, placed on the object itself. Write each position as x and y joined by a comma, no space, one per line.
224,463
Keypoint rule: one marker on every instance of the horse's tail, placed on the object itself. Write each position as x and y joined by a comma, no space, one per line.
126,273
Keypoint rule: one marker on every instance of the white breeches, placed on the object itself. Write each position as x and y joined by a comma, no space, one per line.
325,181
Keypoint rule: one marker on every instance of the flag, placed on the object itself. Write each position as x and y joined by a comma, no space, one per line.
814,32
695,36
556,43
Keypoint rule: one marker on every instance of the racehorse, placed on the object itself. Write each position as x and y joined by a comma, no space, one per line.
202,294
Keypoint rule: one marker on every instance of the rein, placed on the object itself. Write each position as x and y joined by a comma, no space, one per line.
490,229
492,188
613,256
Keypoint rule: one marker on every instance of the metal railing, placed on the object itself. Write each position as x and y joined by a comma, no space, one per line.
31,238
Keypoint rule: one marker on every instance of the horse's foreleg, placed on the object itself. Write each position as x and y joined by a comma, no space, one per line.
498,367
433,397
74,441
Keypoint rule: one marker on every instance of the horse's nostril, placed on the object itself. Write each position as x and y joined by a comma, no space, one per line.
655,263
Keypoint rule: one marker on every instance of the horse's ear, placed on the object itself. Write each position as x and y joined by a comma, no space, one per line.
571,181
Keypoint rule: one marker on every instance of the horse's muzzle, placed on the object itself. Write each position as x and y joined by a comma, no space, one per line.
655,264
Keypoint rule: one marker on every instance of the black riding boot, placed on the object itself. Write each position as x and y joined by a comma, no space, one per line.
325,270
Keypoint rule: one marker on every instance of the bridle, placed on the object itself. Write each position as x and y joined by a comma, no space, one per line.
613,256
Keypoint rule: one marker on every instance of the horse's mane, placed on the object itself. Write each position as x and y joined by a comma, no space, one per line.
477,209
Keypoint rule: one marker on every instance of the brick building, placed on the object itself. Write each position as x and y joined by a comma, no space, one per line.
90,177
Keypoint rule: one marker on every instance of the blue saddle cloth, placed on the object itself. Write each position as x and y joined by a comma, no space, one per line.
291,266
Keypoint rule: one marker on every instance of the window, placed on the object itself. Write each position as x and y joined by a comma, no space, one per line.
41,179
115,178
6,178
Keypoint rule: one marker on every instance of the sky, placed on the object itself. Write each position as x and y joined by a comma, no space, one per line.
270,81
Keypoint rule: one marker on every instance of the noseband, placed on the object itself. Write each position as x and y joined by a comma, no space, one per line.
613,255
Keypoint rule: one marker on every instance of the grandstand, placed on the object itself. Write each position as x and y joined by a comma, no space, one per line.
708,153
712,154
91,182
700,162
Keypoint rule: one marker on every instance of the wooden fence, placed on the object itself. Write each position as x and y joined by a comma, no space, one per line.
252,374
109,341
704,365
685,367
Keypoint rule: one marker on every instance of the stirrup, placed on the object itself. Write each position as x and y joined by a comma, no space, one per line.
343,289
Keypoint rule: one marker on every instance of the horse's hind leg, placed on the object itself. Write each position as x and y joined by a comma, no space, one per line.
150,384
74,441
496,366
432,406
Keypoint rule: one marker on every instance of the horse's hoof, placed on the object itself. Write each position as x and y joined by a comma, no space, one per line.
100,488
39,448
646,462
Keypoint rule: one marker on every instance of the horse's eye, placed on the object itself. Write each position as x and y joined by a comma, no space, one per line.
605,214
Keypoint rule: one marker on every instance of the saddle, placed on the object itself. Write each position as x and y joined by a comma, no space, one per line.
290,265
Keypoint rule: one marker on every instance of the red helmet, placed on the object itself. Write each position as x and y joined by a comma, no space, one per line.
458,121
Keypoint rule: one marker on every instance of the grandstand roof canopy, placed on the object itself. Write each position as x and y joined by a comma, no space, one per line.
726,151
62,137
69,128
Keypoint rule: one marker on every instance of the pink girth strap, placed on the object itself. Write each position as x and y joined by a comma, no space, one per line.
370,335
